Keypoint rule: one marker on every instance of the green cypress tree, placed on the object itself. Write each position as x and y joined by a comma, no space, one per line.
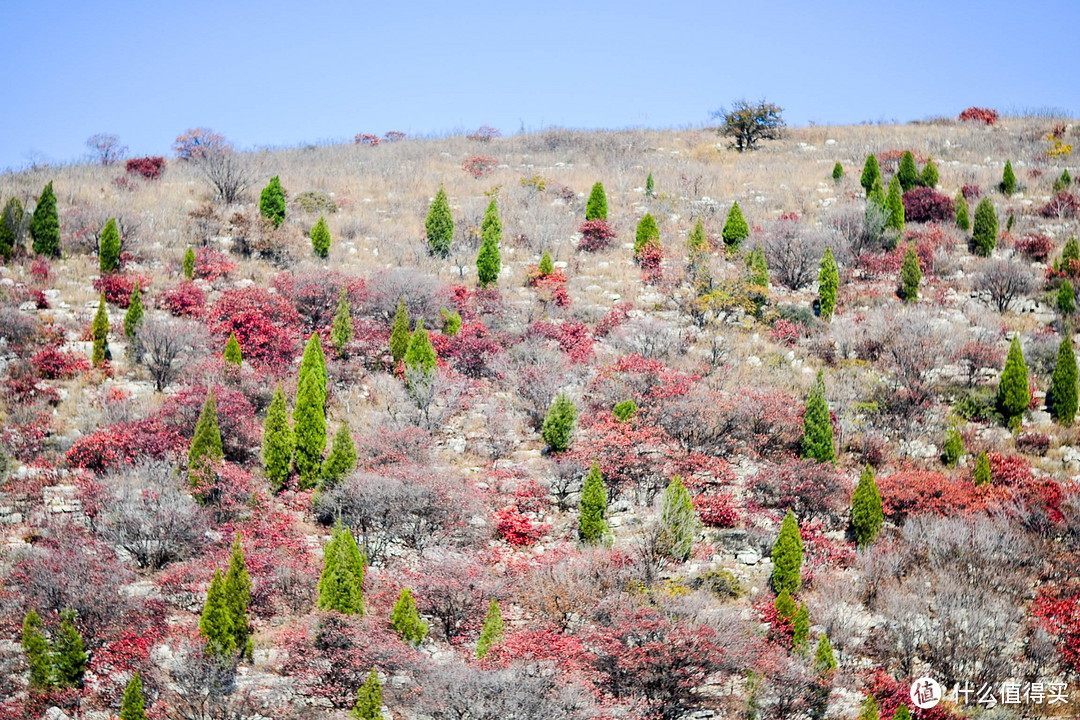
134,703
953,448
406,621
439,225
901,712
785,607
232,354
870,173
10,228
981,474
696,242
624,410
489,261
69,653
985,229
1008,179
929,177
894,206
206,449
1066,298
341,585
546,266
907,174
837,171
735,228
910,276
216,622
559,423
420,356
824,660
787,556
369,699
189,263
650,186
399,335
313,365
869,709
492,632
341,332
1013,393
1062,398
134,315
309,428
592,527
866,511
99,330
45,224
759,268
278,441
646,232
341,460
109,248
1070,252
36,648
596,206
320,238
272,202
817,424
238,596
679,522
963,221
451,322
800,627
828,283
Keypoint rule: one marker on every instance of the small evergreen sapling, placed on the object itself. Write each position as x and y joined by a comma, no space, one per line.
646,232
625,410
206,449
963,221
406,621
341,332
817,424
981,474
492,632
785,607
399,334
439,225
759,268
69,653
787,556
45,224
596,206
99,331
109,248
309,429
420,356
1008,179
869,710
369,699
871,174
838,171
824,660
272,202
901,712
929,177
735,228
984,231
910,276
1013,393
134,315
278,441
866,510
1066,298
679,522
232,354
592,526
559,423
489,261
238,596
953,448
11,228
341,585
894,206
342,458
189,263
546,266
36,649
907,174
828,283
451,322
216,622
133,707
320,238
800,627
1062,398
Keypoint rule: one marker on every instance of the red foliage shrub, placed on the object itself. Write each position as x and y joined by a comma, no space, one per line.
150,168
1059,614
266,325
970,192
479,165
923,204
117,288
786,332
185,299
1035,247
485,133
572,335
236,418
516,528
549,288
651,258
1062,205
109,448
595,235
613,318
24,439
926,491
52,363
394,136
890,693
41,271
210,264
314,294
717,510
469,351
808,488
366,139
983,115
22,387
1035,443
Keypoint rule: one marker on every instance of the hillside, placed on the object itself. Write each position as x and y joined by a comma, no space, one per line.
639,461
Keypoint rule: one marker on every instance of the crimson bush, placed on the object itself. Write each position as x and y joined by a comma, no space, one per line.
923,204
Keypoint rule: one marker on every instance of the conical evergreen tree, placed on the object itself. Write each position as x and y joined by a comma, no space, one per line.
189,263
559,423
837,171
451,323
869,709
341,332
828,283
489,261
1008,179
341,586
871,173
929,177
133,707
69,653
787,556
238,596
800,627
907,174
963,220
216,622
592,527
981,473
596,206
309,431
546,266
735,228
1013,394
399,335
910,276
278,441
785,607
232,354
439,225
341,460
134,315
759,268
99,331
369,699
420,356
894,206
824,660
1062,398
36,648
45,224
406,621
11,228
650,186
320,238
985,229
866,511
313,365
817,424
206,449
1066,298
1070,252
953,448
109,248
679,522
272,202
696,241
492,632
646,232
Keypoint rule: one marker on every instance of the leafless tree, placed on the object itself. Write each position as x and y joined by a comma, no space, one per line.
166,345
204,687
419,291
793,252
458,692
228,172
1005,281
649,337
107,148
537,370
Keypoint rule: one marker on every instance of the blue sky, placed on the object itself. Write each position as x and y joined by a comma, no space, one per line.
272,74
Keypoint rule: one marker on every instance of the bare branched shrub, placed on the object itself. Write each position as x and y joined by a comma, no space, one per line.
1004,281
387,287
457,692
167,344
537,370
793,252
649,337
228,173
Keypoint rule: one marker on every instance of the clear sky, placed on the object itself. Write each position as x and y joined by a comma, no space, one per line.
287,73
